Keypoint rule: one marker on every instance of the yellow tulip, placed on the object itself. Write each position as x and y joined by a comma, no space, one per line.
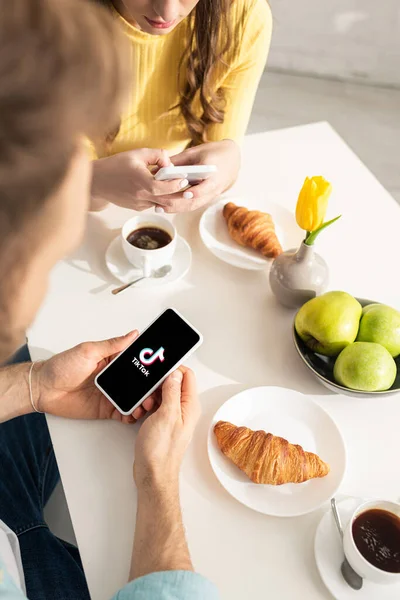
312,203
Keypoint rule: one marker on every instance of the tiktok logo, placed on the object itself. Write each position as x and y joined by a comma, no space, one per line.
147,356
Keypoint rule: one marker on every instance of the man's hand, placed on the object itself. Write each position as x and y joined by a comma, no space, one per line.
64,384
160,543
165,435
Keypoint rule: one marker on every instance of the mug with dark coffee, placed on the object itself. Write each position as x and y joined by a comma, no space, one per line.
149,237
149,242
372,541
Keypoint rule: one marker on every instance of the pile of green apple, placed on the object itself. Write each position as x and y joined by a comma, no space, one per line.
364,340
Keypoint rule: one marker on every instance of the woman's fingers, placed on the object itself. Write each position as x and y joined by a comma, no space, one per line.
153,188
152,156
166,188
190,156
193,198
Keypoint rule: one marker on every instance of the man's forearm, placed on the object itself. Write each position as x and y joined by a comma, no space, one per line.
14,391
160,542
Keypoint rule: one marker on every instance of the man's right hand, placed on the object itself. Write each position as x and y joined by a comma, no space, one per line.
125,180
166,434
160,543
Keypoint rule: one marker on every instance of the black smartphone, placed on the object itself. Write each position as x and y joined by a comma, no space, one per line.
135,373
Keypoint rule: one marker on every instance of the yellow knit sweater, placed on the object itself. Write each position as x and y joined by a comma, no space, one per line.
149,120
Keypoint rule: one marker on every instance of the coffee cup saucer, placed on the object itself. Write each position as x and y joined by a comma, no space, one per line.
123,271
329,556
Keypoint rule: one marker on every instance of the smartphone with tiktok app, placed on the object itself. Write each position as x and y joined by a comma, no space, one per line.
140,369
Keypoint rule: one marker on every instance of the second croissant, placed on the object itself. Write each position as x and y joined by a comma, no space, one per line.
252,228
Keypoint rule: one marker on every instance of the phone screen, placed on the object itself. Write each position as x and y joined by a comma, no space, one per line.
139,369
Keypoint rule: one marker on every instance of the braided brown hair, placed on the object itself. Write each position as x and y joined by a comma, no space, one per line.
209,38
208,22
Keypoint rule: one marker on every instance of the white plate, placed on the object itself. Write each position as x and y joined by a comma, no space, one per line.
214,232
329,556
293,416
121,268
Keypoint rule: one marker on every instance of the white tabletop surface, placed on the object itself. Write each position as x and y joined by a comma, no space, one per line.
247,343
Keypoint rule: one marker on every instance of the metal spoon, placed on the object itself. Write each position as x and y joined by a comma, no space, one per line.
157,274
353,579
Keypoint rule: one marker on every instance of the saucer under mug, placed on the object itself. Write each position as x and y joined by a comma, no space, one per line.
124,271
329,556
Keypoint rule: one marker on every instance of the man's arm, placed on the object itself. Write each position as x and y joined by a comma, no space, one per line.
14,391
161,566
160,543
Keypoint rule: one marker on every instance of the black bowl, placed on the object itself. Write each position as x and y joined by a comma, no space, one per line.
322,366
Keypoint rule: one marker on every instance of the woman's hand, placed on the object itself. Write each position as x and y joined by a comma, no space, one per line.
164,437
225,155
126,180
64,384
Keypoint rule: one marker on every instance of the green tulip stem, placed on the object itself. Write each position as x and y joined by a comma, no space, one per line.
311,236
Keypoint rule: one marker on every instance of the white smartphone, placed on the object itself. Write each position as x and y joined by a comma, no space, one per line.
190,172
140,369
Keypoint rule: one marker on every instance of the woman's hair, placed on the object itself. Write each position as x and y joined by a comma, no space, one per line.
209,38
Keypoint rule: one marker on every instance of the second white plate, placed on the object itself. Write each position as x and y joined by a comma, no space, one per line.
215,236
293,416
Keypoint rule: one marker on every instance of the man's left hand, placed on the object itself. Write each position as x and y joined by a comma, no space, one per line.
64,384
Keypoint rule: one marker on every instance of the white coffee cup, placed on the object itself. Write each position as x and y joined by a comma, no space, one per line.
360,564
148,260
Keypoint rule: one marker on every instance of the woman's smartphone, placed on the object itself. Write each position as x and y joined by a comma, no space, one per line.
140,369
189,172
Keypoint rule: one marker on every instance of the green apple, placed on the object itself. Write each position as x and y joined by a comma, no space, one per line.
365,366
328,323
381,324
368,307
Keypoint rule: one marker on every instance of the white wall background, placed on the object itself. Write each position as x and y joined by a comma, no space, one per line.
349,39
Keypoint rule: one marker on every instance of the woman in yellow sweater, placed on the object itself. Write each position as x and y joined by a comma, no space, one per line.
196,66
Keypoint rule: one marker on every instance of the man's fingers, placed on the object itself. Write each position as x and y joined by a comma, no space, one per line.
106,348
171,393
128,419
138,413
117,344
149,403
189,400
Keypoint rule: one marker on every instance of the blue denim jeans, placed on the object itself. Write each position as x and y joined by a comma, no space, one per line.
28,476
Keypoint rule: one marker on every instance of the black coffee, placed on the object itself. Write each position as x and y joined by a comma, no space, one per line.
149,238
376,534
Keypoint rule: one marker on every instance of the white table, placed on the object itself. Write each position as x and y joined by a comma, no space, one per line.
247,343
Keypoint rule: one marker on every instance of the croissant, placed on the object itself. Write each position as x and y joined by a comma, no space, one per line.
252,228
266,458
